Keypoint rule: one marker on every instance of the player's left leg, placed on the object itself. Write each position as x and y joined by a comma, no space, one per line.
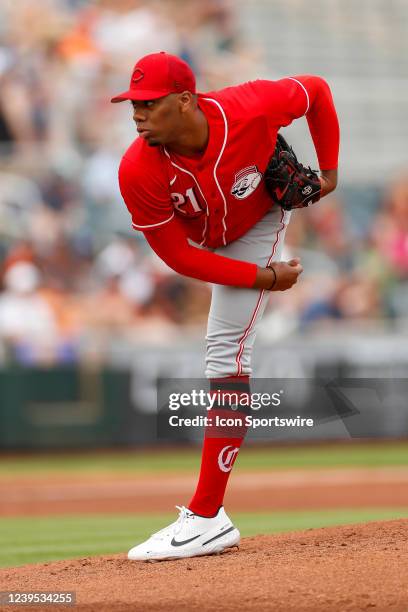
204,528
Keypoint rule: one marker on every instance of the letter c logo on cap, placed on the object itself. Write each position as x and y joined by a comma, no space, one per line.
137,77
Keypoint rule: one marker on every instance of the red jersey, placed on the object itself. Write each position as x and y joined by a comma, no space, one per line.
216,197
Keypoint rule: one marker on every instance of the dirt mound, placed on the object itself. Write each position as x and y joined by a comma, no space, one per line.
358,567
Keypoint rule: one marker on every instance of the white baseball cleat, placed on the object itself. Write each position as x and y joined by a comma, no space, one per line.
191,535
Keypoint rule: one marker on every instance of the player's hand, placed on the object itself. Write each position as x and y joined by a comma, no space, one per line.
287,273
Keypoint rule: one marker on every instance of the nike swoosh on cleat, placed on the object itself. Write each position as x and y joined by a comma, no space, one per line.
176,543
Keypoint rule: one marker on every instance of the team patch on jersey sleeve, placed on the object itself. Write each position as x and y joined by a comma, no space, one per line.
246,181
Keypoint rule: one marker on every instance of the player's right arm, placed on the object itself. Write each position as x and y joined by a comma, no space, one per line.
147,199
170,243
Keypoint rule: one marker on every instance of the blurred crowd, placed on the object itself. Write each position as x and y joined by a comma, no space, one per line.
355,259
74,275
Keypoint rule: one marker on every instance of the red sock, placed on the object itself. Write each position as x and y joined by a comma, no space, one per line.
220,447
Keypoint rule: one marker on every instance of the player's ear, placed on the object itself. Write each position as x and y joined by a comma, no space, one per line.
186,101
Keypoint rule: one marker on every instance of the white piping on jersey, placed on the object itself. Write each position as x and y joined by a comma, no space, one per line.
199,188
173,180
216,165
304,89
154,224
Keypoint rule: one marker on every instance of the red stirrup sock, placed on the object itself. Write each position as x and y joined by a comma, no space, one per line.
221,442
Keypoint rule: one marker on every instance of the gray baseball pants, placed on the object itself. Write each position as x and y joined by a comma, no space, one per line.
235,312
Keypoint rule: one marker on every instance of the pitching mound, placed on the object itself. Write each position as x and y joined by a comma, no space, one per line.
357,567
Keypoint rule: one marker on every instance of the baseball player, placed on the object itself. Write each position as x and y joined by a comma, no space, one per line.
194,182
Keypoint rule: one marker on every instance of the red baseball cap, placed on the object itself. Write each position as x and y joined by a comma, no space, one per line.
157,75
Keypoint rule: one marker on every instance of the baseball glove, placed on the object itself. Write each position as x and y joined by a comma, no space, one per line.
288,182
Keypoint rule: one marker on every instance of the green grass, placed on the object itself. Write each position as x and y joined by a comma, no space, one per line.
33,540
351,454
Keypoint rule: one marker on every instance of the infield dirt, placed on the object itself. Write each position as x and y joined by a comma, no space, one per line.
353,568
285,490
